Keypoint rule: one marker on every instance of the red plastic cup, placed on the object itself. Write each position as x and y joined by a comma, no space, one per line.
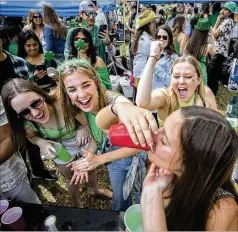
119,136
4,204
13,218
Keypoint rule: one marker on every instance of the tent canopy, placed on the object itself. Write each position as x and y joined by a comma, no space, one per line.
62,7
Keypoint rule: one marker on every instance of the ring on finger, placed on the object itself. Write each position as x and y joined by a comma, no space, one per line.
135,123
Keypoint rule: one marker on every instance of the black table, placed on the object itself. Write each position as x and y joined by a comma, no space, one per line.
69,218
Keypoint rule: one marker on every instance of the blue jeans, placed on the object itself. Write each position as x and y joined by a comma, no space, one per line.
117,172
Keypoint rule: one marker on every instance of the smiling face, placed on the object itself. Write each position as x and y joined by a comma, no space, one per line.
167,145
32,47
185,80
89,16
38,112
82,90
37,19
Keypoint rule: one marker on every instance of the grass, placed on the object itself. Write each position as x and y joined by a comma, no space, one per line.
55,193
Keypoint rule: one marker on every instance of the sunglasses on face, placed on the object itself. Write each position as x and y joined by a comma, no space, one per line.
89,14
36,17
84,39
37,104
164,37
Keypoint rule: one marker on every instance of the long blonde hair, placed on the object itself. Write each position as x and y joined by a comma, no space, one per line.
67,68
51,18
171,96
178,25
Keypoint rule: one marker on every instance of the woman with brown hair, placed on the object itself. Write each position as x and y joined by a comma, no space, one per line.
35,23
54,32
180,38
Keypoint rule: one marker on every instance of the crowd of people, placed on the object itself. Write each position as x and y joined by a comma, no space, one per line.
177,56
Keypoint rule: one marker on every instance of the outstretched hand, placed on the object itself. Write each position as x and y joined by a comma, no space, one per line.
88,163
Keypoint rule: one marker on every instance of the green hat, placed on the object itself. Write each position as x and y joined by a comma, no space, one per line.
202,25
231,6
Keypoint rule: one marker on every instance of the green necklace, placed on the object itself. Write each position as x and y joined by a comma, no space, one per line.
57,123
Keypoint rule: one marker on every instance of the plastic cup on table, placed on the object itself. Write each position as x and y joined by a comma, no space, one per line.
13,219
133,218
119,136
4,204
62,153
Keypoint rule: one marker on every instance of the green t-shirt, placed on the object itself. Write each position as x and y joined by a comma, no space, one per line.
212,19
104,76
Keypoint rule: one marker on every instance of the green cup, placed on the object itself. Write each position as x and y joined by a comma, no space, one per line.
62,153
133,218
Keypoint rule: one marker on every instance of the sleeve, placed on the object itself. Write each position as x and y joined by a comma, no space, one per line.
225,27
3,116
112,97
48,37
67,43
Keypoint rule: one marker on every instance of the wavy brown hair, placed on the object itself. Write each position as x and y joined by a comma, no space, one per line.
67,68
208,152
51,18
197,44
30,20
10,90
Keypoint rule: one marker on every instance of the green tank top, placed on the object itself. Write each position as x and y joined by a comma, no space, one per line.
204,69
104,76
177,47
52,134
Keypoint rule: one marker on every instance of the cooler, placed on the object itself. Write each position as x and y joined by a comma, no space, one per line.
128,90
115,80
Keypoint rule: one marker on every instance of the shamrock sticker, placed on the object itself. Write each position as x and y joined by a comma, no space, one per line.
80,44
49,55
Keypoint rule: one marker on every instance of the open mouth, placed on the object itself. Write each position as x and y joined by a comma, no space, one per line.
182,92
85,103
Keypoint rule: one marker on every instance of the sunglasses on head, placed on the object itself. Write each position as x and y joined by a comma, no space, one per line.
36,104
37,17
94,14
84,39
164,37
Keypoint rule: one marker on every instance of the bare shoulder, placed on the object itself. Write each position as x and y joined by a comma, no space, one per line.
99,62
223,215
210,98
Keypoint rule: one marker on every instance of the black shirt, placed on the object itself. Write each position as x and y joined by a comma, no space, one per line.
6,71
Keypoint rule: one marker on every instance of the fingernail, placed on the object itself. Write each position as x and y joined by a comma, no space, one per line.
136,143
143,145
156,132
150,144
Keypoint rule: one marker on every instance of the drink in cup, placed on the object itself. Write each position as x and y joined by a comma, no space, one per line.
133,218
4,204
13,219
50,223
119,136
62,153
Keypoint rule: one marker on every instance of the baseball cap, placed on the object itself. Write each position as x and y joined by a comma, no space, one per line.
86,6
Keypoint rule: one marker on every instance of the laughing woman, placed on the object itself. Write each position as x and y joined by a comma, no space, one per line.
38,116
81,92
186,86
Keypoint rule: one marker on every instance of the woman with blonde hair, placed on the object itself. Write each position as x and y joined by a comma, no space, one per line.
54,32
35,23
82,95
186,89
180,38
